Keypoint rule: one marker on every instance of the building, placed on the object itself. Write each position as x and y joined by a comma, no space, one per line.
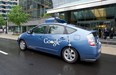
36,9
6,5
90,14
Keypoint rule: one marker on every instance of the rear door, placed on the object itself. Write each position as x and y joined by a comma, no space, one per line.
56,38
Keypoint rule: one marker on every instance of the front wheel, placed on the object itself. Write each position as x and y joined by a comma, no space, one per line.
70,55
22,45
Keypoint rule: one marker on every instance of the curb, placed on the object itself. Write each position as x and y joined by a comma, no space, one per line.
108,41
7,36
111,43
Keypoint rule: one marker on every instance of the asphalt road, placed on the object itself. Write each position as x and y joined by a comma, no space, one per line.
15,62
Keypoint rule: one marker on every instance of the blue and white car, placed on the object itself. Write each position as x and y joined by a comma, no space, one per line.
64,40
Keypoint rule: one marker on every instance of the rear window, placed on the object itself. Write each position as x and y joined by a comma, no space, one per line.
95,33
70,30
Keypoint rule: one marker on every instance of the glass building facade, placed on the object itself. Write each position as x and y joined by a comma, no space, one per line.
36,8
96,17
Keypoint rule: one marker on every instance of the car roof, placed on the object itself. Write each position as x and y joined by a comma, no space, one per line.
63,24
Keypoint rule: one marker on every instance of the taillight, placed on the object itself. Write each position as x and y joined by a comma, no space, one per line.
91,40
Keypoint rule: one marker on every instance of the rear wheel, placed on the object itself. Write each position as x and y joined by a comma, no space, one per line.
22,45
70,55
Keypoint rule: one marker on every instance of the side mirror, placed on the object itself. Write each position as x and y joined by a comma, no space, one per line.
30,32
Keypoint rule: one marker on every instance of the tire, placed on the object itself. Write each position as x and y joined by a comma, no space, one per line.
22,45
70,55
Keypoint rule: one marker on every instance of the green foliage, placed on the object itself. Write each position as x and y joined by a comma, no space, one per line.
47,15
61,16
17,16
2,21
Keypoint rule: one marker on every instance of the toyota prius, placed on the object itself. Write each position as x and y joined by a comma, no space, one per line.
64,40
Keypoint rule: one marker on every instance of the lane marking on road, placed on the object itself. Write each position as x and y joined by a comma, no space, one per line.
3,52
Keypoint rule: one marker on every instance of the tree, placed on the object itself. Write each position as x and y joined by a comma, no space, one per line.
46,15
2,21
17,16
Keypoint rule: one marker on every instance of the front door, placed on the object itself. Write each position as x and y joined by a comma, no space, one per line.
35,40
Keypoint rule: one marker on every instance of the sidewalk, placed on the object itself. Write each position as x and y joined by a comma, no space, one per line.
109,41
8,36
15,37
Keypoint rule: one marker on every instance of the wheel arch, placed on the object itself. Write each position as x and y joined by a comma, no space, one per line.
72,48
24,41
20,40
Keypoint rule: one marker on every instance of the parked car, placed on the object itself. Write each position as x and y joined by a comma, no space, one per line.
69,42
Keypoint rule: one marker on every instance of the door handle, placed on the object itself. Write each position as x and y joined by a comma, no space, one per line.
40,37
62,38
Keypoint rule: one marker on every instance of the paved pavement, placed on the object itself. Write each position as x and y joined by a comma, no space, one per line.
108,49
14,37
109,41
8,36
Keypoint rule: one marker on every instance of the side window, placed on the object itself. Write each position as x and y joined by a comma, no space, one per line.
40,30
56,29
70,30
